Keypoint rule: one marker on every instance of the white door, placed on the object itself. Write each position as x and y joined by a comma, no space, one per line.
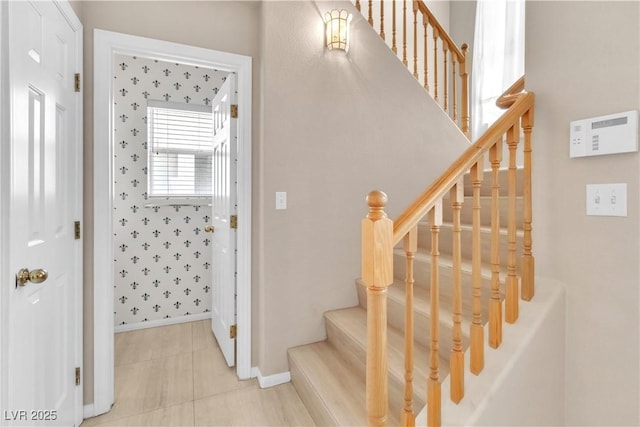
223,207
44,201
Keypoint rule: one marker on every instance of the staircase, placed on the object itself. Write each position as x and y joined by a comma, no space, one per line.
330,375
453,264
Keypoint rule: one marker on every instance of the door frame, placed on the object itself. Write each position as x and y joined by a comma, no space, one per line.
106,44
6,276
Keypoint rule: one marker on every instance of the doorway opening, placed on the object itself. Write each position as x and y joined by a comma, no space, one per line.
162,158
109,50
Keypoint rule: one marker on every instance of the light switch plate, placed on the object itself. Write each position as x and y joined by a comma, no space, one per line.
607,199
281,200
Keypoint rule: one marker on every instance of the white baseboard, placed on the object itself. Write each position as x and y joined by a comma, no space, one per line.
88,411
162,322
270,380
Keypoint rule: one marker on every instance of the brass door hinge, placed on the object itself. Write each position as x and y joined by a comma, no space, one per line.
233,221
77,82
234,111
77,376
76,230
233,332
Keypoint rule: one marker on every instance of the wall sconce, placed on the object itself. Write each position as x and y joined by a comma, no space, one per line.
337,22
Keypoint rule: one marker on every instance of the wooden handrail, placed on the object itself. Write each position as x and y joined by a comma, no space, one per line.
511,95
419,208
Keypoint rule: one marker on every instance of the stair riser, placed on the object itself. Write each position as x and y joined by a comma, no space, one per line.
487,181
306,392
466,211
422,329
422,273
356,357
445,243
331,391
422,277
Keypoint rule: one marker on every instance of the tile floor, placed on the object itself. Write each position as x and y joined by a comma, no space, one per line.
176,376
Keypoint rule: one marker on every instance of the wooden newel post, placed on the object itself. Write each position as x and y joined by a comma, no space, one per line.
377,274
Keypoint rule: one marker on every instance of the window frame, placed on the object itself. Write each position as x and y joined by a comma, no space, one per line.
184,198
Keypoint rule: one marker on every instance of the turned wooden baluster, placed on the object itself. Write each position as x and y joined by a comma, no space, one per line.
393,28
435,64
370,20
382,19
377,275
454,83
457,356
358,5
415,39
477,328
495,307
425,23
404,34
445,50
433,385
512,294
528,262
410,246
464,95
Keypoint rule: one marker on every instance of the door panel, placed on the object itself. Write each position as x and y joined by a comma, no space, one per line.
35,171
44,334
223,206
61,174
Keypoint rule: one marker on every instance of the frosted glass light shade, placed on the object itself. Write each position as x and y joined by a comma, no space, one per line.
337,23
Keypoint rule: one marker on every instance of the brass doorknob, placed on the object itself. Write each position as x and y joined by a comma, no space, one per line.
38,275
209,229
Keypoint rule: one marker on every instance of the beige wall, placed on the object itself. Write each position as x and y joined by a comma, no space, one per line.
462,18
226,26
334,128
583,60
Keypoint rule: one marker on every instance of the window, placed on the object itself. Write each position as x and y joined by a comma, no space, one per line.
498,57
179,150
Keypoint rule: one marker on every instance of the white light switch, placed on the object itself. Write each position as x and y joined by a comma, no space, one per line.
607,199
281,200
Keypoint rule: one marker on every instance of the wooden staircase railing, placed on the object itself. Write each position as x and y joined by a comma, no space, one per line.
431,49
380,235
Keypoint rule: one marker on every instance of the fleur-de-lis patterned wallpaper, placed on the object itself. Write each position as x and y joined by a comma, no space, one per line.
163,256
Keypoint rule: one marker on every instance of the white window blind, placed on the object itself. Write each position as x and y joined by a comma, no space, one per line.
179,150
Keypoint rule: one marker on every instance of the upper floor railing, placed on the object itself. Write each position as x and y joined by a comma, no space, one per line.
427,50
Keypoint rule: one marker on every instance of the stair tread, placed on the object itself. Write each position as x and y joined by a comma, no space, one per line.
487,182
446,260
338,389
422,302
484,229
